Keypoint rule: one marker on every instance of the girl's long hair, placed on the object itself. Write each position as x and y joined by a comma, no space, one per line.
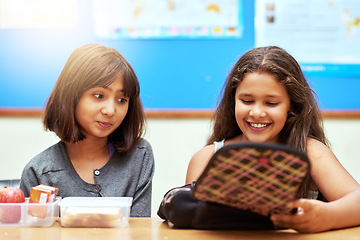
304,118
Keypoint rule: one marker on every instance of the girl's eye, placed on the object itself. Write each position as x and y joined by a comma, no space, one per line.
247,101
98,95
272,103
122,100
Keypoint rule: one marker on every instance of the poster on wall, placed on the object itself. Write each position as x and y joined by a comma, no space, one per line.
323,35
169,19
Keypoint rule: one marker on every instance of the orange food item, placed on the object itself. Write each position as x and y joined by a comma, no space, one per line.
41,194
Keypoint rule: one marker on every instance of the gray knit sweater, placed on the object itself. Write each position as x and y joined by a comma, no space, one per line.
122,176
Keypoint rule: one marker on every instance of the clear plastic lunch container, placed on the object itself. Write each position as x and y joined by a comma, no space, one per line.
29,214
95,211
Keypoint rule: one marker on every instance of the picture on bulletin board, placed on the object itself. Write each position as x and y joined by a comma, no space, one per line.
324,35
170,19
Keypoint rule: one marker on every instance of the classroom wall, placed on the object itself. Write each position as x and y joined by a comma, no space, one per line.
174,141
31,59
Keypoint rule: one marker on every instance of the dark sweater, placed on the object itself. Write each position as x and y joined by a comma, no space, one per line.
122,176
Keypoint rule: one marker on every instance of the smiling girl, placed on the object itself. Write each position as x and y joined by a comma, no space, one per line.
266,98
96,111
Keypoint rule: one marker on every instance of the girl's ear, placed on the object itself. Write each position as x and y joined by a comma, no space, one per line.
291,114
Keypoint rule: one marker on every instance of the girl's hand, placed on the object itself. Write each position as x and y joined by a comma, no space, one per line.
312,216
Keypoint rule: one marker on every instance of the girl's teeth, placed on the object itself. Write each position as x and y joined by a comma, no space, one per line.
258,125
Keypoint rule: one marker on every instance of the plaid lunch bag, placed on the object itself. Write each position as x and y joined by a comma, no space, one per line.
242,185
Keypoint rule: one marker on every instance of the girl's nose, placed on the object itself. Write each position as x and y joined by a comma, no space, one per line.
108,108
257,112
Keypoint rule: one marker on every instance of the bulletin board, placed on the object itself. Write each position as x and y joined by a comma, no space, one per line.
183,72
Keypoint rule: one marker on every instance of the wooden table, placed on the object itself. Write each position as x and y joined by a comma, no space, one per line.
155,228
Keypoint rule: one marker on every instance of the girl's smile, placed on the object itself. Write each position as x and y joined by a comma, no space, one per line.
261,107
258,126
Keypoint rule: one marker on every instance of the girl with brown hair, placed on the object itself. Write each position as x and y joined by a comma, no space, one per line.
96,111
266,98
